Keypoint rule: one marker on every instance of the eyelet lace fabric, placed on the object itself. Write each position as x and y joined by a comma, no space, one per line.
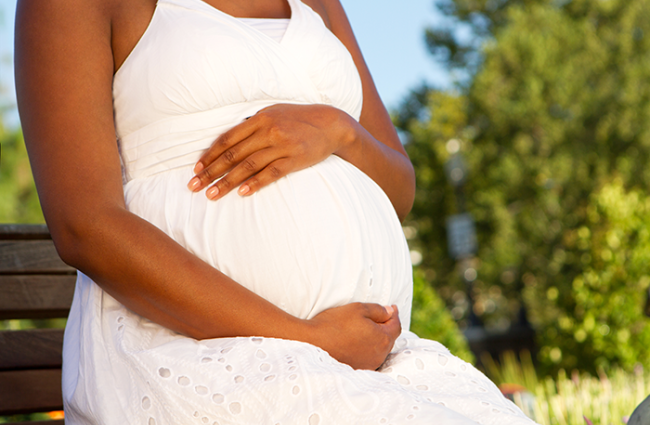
164,378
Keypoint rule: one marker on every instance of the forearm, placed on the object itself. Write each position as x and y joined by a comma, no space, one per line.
152,275
374,147
390,169
157,278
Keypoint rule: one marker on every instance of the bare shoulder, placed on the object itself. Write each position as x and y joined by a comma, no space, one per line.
374,116
335,19
36,17
64,72
333,15
56,43
57,31
323,8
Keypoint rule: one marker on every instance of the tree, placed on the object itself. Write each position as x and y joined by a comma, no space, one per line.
18,199
553,116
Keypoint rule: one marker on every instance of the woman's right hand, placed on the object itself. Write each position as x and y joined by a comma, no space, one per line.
358,334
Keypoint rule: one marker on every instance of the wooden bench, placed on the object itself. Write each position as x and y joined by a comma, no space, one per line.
34,284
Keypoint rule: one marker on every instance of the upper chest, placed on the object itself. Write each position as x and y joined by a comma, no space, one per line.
195,58
130,18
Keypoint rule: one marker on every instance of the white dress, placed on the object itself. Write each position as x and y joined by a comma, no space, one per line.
318,238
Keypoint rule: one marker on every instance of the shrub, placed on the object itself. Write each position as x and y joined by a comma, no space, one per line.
596,319
18,199
430,319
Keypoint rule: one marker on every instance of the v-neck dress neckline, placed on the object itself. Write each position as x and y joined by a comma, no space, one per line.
201,5
291,19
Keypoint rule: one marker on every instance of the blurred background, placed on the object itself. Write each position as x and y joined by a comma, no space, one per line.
528,122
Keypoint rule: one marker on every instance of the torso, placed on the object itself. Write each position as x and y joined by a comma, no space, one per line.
130,18
320,237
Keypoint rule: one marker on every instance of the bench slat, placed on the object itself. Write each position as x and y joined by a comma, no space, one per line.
33,257
24,231
35,297
26,253
28,391
34,348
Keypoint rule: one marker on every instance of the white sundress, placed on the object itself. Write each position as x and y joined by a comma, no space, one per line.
321,237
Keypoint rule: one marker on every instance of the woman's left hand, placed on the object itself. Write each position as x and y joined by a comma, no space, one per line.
276,141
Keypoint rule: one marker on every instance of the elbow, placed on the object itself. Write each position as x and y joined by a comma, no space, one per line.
76,235
405,204
403,211
70,242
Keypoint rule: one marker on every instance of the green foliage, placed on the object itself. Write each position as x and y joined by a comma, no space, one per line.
430,319
26,418
555,127
443,117
597,318
22,324
18,199
435,200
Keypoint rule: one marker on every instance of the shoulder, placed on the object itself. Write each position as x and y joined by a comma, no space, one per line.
61,23
71,13
112,24
330,10
94,9
56,32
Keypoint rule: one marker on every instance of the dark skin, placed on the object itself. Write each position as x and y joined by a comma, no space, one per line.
67,52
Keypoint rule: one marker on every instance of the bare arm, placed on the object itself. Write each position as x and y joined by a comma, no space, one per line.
376,149
64,70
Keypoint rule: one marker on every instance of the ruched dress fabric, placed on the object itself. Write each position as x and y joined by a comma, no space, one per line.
318,238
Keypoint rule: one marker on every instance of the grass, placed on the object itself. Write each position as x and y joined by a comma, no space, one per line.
606,399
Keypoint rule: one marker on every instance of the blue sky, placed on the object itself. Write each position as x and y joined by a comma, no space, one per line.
391,36
390,33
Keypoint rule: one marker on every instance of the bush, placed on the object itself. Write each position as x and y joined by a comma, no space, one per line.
596,319
18,199
431,319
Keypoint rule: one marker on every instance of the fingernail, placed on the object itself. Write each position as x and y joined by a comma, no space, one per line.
194,184
198,167
244,189
212,192
389,309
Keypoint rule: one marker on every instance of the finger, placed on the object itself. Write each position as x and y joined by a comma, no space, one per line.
226,162
394,314
392,327
377,313
395,310
248,167
271,173
224,142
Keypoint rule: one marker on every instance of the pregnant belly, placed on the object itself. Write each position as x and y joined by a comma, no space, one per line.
318,238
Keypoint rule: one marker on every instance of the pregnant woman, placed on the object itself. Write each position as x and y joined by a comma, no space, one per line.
239,249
